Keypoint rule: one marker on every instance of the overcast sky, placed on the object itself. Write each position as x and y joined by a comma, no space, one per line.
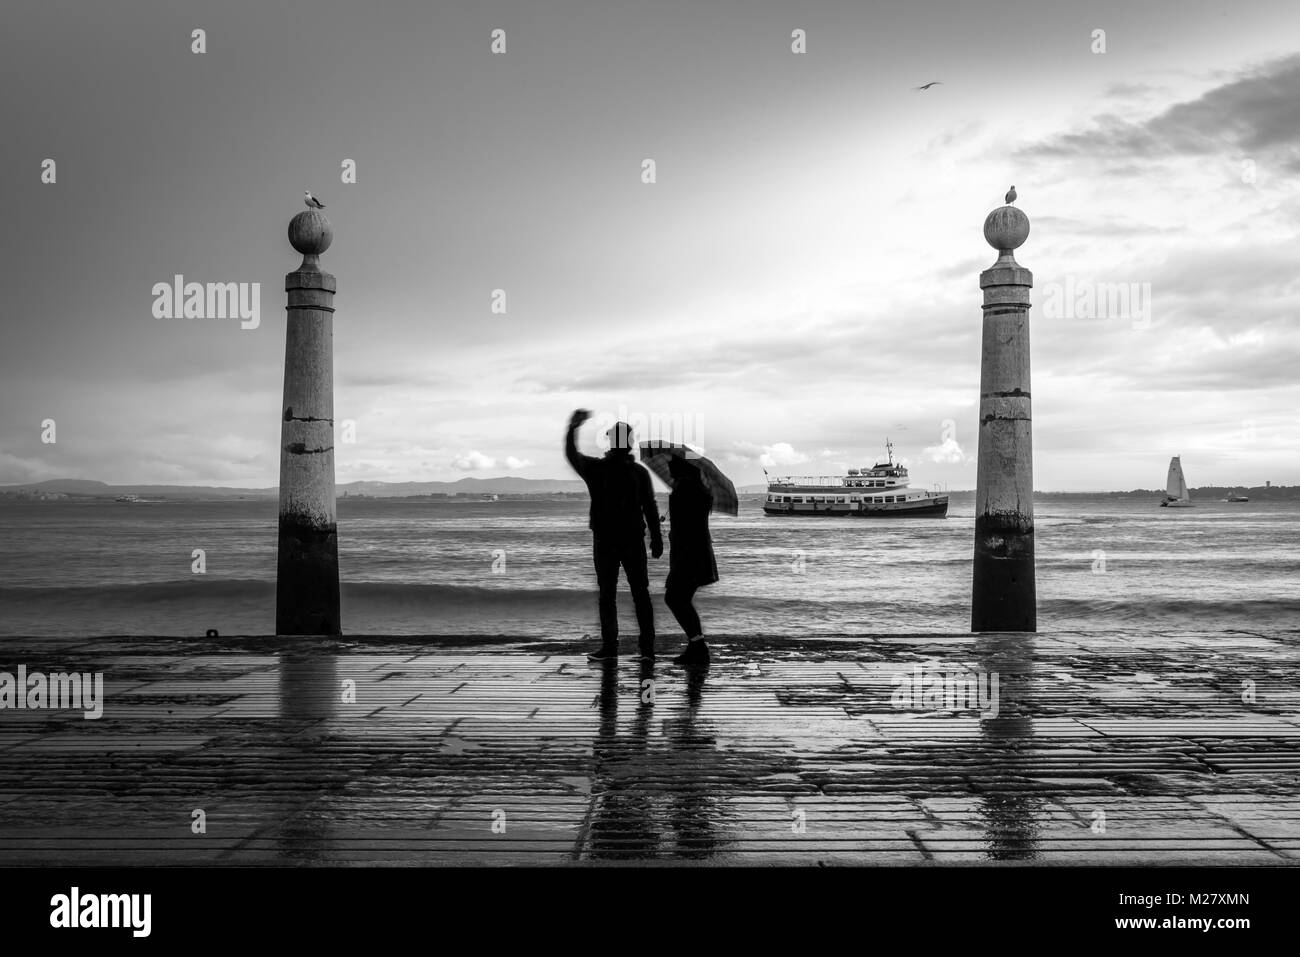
799,282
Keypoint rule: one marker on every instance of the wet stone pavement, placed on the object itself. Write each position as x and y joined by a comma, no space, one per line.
1098,748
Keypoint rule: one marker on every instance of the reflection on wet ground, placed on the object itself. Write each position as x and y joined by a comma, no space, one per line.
909,749
655,795
1009,815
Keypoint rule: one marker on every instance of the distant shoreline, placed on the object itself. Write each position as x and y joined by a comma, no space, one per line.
35,496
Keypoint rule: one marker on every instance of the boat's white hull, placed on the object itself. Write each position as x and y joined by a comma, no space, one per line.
935,506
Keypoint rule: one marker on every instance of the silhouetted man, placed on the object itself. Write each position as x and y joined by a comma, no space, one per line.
622,504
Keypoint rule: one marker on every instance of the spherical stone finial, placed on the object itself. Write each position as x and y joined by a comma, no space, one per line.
310,232
1006,228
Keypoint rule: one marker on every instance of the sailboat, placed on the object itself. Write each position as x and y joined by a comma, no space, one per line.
1176,494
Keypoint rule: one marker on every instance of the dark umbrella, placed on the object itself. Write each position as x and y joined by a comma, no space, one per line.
656,456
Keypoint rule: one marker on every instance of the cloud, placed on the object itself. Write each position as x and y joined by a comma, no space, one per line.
946,451
1254,114
15,470
476,461
1130,90
769,456
473,461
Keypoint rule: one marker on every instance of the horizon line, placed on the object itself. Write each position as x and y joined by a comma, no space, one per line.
520,478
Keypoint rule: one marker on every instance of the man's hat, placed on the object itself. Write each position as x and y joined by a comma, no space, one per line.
620,436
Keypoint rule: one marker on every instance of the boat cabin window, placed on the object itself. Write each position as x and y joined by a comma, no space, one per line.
889,498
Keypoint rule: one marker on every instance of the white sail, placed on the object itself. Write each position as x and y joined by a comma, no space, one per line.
1176,485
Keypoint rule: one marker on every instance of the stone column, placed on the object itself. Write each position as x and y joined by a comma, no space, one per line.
1004,596
307,579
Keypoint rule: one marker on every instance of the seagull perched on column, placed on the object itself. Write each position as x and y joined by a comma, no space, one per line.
1011,195
311,201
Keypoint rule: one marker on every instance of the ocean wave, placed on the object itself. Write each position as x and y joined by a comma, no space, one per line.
139,593
1178,612
389,594
247,606
144,593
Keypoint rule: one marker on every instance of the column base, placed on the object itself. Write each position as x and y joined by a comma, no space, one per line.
307,581
1004,596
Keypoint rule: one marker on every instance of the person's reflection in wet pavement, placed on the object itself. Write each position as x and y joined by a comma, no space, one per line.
622,823
693,809
653,795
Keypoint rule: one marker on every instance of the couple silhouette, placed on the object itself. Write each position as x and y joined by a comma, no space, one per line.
623,507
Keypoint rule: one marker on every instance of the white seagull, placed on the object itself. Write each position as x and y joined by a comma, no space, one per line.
311,201
1011,195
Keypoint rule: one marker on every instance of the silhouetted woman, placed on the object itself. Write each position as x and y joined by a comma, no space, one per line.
691,563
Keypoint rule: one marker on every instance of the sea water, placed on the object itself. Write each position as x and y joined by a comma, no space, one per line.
465,567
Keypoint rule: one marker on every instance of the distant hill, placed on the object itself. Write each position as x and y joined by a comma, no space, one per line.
83,488
507,485
70,486
504,484
1258,493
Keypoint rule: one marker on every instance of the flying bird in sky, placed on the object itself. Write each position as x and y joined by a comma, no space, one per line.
311,201
926,86
1011,195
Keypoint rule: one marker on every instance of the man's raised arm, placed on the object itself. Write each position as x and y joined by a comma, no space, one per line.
580,462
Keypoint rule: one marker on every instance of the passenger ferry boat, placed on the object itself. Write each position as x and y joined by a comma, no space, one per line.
878,492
